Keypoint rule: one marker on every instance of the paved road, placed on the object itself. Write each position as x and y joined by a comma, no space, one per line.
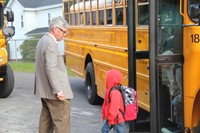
19,113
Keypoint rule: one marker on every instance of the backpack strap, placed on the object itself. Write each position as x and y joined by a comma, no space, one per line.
123,113
136,104
113,88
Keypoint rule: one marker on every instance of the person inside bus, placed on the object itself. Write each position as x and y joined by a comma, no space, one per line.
174,76
119,15
51,80
118,2
111,115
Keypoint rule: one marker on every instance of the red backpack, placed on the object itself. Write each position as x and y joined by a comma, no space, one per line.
129,96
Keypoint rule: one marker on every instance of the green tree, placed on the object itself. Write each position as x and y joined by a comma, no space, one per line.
28,48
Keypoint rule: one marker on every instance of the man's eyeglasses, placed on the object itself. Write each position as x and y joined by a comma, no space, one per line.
65,32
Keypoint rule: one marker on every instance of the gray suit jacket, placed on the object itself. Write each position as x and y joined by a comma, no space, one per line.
50,72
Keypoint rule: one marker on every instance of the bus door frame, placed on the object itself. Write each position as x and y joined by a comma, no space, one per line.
133,55
154,61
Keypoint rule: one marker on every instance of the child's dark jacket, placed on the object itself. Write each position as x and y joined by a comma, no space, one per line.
110,109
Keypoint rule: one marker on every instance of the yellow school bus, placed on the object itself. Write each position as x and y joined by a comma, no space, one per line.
156,46
6,32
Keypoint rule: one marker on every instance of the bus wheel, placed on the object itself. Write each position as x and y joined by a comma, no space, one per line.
197,128
7,85
90,86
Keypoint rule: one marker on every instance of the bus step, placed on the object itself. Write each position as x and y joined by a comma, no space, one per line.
142,126
171,130
142,122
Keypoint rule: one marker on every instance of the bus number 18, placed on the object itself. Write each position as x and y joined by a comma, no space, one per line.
195,38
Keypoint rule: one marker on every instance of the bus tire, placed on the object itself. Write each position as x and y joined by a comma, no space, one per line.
197,128
7,85
90,86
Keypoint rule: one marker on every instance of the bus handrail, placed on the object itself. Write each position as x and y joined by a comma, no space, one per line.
181,8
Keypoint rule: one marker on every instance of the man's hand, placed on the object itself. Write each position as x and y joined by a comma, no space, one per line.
61,96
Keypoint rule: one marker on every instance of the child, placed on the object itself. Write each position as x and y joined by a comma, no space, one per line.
174,76
112,103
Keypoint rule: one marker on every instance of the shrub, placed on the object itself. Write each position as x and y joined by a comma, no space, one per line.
28,48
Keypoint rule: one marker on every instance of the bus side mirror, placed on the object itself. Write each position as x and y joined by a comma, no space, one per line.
9,31
10,16
194,11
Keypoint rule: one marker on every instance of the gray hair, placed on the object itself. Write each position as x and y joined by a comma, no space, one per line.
59,22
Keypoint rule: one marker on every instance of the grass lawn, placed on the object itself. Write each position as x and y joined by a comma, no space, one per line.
22,66
27,67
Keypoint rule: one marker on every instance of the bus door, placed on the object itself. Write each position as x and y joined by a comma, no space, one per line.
166,61
138,66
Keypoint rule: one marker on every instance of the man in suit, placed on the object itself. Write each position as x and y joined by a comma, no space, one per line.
51,80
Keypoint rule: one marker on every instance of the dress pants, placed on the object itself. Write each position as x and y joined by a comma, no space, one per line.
55,116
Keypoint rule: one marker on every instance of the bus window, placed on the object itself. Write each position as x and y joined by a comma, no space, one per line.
66,12
76,19
193,12
81,20
72,22
87,18
143,12
109,16
93,17
170,27
101,17
119,16
118,2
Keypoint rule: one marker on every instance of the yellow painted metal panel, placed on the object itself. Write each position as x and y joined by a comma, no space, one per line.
108,48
